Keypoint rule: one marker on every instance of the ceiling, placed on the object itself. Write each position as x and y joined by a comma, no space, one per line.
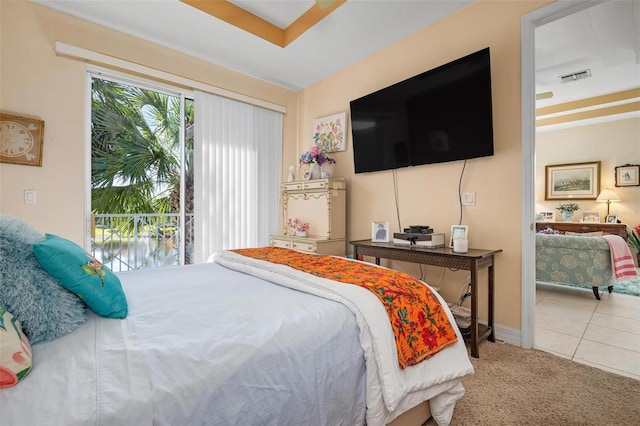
354,30
604,39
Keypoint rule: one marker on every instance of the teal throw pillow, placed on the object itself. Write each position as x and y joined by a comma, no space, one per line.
80,273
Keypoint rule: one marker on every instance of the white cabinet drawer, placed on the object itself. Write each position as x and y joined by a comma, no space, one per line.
281,242
293,186
309,247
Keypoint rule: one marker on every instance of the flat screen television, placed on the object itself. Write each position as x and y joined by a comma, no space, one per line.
441,115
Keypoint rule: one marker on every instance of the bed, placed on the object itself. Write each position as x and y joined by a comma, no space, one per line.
235,341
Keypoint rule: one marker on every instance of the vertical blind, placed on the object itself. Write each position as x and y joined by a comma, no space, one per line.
238,151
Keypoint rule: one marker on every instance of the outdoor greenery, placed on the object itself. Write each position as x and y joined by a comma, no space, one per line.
135,141
136,168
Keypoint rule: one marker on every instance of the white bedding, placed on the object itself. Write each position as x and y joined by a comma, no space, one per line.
201,345
204,344
390,390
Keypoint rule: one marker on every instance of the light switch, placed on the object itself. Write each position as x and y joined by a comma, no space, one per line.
29,196
468,198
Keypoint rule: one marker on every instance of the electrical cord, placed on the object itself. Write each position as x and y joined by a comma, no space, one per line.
464,165
397,199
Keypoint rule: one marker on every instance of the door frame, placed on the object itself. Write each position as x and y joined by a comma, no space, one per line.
529,22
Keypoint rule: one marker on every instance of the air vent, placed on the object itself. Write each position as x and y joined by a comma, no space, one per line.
575,76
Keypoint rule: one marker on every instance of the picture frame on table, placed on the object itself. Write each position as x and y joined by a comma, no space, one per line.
546,216
21,141
611,218
591,217
379,232
628,175
574,181
458,231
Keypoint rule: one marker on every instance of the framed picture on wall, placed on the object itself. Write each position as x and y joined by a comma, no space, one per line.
329,132
628,175
576,181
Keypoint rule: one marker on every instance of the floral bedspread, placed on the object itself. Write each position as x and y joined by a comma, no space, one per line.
420,324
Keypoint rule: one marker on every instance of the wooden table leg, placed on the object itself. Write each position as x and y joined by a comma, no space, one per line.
474,310
491,272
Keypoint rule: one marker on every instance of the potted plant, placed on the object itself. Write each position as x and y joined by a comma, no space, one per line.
567,210
633,240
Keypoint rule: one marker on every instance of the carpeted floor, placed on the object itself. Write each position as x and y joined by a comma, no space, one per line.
515,386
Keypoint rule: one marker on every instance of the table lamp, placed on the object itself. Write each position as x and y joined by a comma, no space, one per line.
607,196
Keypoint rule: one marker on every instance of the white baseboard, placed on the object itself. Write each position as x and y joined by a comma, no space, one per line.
508,335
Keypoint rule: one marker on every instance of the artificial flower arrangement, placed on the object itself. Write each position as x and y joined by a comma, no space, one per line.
317,156
549,231
297,227
568,207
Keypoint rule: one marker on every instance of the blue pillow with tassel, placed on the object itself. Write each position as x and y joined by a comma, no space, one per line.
80,273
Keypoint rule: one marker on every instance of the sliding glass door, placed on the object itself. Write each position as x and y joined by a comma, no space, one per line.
141,186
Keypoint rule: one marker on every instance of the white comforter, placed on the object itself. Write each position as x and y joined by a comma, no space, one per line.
390,390
202,345
207,345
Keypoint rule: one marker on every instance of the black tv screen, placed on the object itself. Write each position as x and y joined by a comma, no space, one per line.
441,115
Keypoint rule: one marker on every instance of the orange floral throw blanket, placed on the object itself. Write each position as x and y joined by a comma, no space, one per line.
419,322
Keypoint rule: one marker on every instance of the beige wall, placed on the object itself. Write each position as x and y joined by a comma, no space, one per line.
429,194
36,83
613,144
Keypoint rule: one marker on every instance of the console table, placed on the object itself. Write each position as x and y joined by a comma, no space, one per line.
474,260
619,229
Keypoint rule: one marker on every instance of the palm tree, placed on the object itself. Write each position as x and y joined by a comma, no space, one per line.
135,140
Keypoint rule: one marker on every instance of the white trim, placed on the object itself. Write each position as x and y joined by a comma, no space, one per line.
508,335
87,161
75,52
529,22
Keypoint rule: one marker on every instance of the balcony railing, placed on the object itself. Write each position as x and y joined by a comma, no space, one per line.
125,242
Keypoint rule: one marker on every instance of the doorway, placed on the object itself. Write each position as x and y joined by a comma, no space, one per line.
530,21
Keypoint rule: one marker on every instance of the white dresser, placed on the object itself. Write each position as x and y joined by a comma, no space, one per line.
323,204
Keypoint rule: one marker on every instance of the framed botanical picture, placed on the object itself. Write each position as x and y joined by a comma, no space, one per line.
380,232
591,217
329,132
628,175
577,181
458,231
21,140
611,218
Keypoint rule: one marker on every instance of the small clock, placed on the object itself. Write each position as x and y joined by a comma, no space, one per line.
306,175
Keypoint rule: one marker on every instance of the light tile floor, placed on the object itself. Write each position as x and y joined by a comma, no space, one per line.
571,323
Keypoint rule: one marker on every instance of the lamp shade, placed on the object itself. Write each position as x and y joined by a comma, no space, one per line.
607,195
